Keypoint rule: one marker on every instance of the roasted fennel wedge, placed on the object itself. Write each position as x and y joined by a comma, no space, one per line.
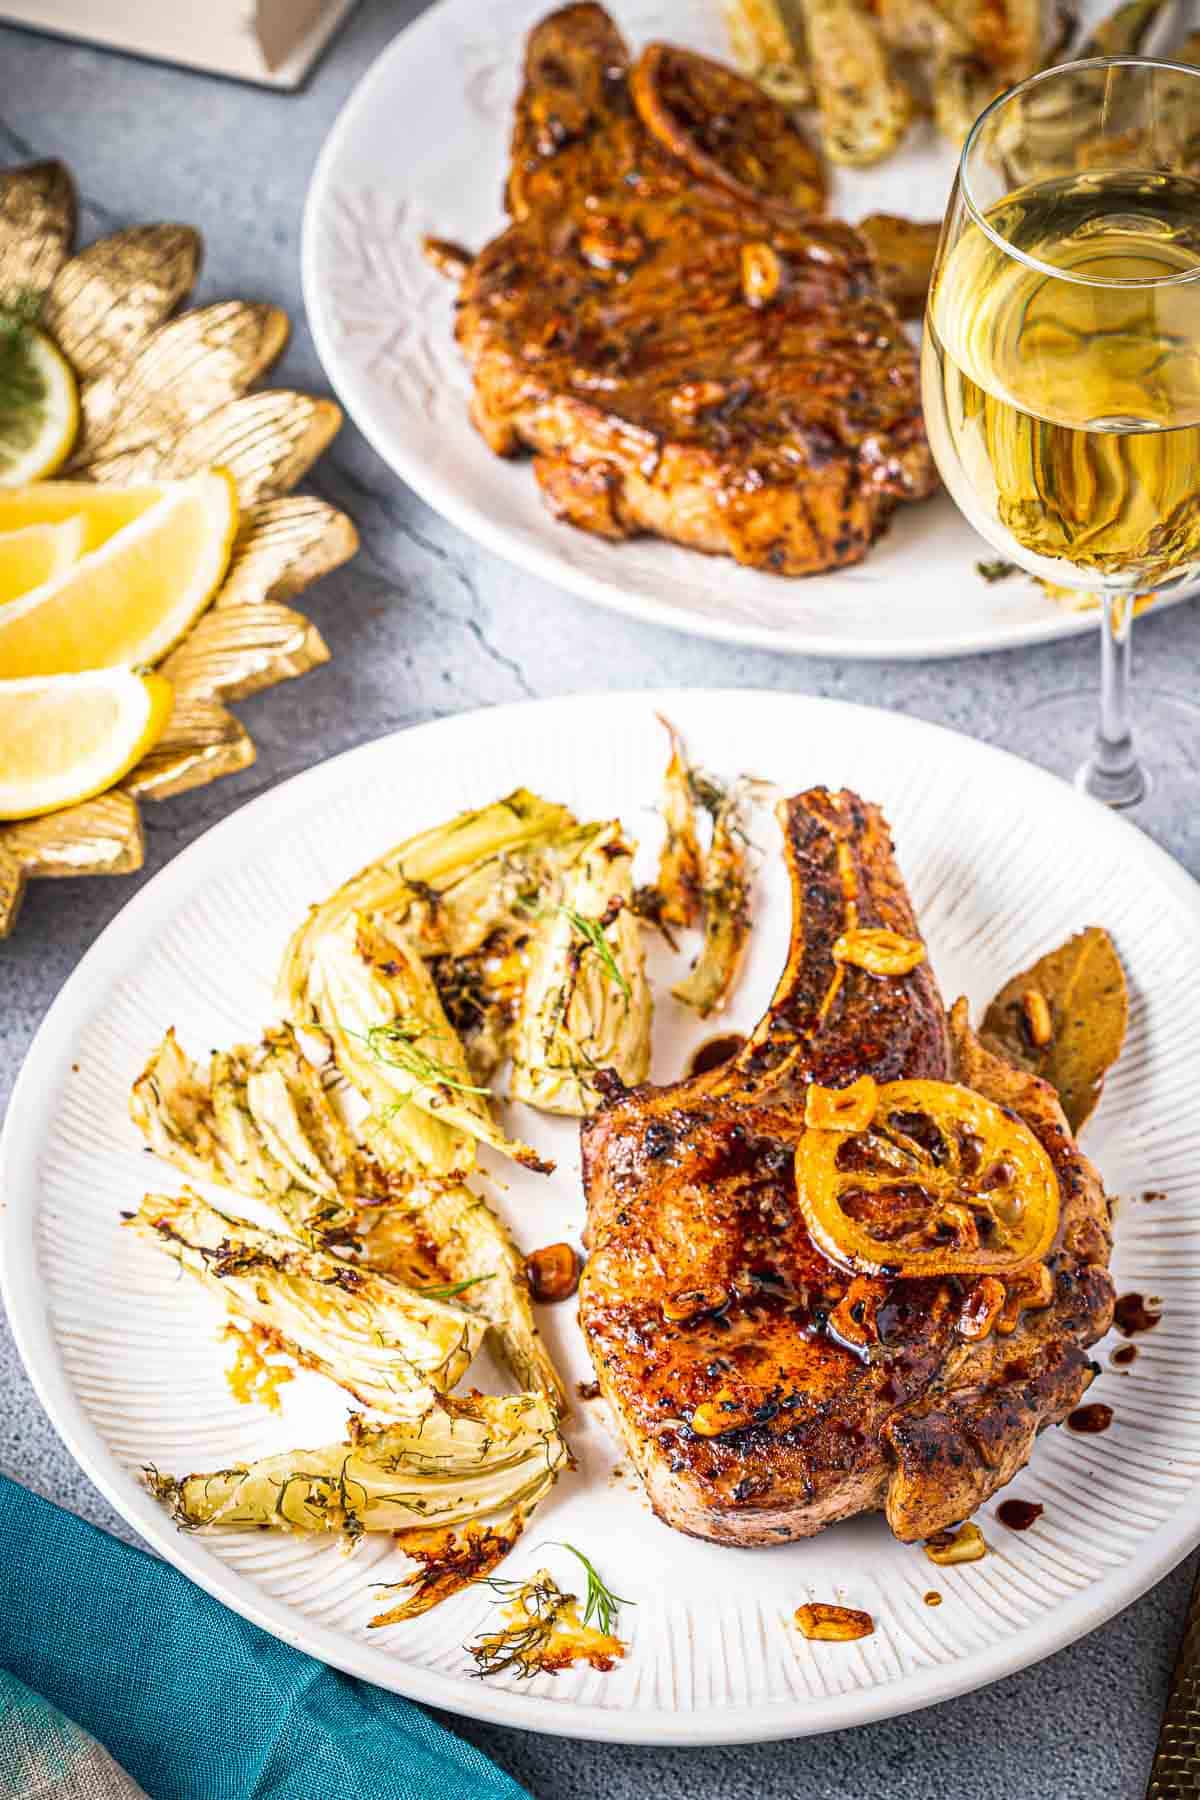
258,1120
586,1005
466,1459
708,984
392,1347
766,39
680,879
377,1003
480,1261
421,870
865,108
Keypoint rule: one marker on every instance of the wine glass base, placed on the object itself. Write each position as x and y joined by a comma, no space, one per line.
1058,733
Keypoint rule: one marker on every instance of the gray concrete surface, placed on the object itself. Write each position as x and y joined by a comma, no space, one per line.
425,624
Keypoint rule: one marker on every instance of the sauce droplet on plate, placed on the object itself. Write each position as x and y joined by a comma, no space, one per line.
1019,1515
933,1598
716,1051
1133,1313
1123,1355
1094,1417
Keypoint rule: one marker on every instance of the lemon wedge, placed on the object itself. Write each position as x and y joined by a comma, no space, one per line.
132,599
39,414
36,554
104,510
66,737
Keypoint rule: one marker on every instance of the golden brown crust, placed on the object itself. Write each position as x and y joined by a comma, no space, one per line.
621,324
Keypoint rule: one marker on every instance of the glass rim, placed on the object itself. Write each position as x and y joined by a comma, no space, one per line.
1005,244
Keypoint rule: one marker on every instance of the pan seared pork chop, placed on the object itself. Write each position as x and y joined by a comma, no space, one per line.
823,1395
681,360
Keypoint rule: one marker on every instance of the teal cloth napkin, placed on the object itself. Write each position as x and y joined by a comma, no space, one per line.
190,1699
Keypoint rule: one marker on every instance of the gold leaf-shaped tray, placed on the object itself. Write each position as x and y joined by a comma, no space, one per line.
163,393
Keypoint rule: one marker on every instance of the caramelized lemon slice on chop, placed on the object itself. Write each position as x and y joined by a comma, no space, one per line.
39,406
938,1181
131,600
67,737
103,510
726,129
37,554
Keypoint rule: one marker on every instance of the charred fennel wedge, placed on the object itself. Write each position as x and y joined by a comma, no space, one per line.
376,1001
259,1121
393,1348
766,39
680,877
480,928
865,108
421,869
586,1005
171,1104
707,986
465,1459
483,1264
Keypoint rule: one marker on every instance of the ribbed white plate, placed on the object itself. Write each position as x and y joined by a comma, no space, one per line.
1003,862
422,146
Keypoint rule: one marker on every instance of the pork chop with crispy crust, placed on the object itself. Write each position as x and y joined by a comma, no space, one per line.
681,359
704,1296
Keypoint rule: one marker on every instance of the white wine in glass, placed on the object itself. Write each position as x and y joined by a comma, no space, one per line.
1061,359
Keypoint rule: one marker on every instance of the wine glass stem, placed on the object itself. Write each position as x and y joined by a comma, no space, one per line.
1112,773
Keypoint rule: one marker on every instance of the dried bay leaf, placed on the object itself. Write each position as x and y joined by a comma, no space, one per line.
1083,986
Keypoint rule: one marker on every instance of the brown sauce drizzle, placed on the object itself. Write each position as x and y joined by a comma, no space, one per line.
1092,1418
1123,1355
1019,1515
716,1051
588,1390
1132,1314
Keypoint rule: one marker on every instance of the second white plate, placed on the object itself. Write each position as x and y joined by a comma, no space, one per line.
422,146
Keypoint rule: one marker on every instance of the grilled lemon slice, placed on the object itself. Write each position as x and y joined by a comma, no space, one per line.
936,1181
725,128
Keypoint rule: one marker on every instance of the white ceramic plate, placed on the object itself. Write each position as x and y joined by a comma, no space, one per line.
421,146
1003,862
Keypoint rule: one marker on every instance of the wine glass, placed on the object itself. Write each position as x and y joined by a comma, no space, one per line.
1061,367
